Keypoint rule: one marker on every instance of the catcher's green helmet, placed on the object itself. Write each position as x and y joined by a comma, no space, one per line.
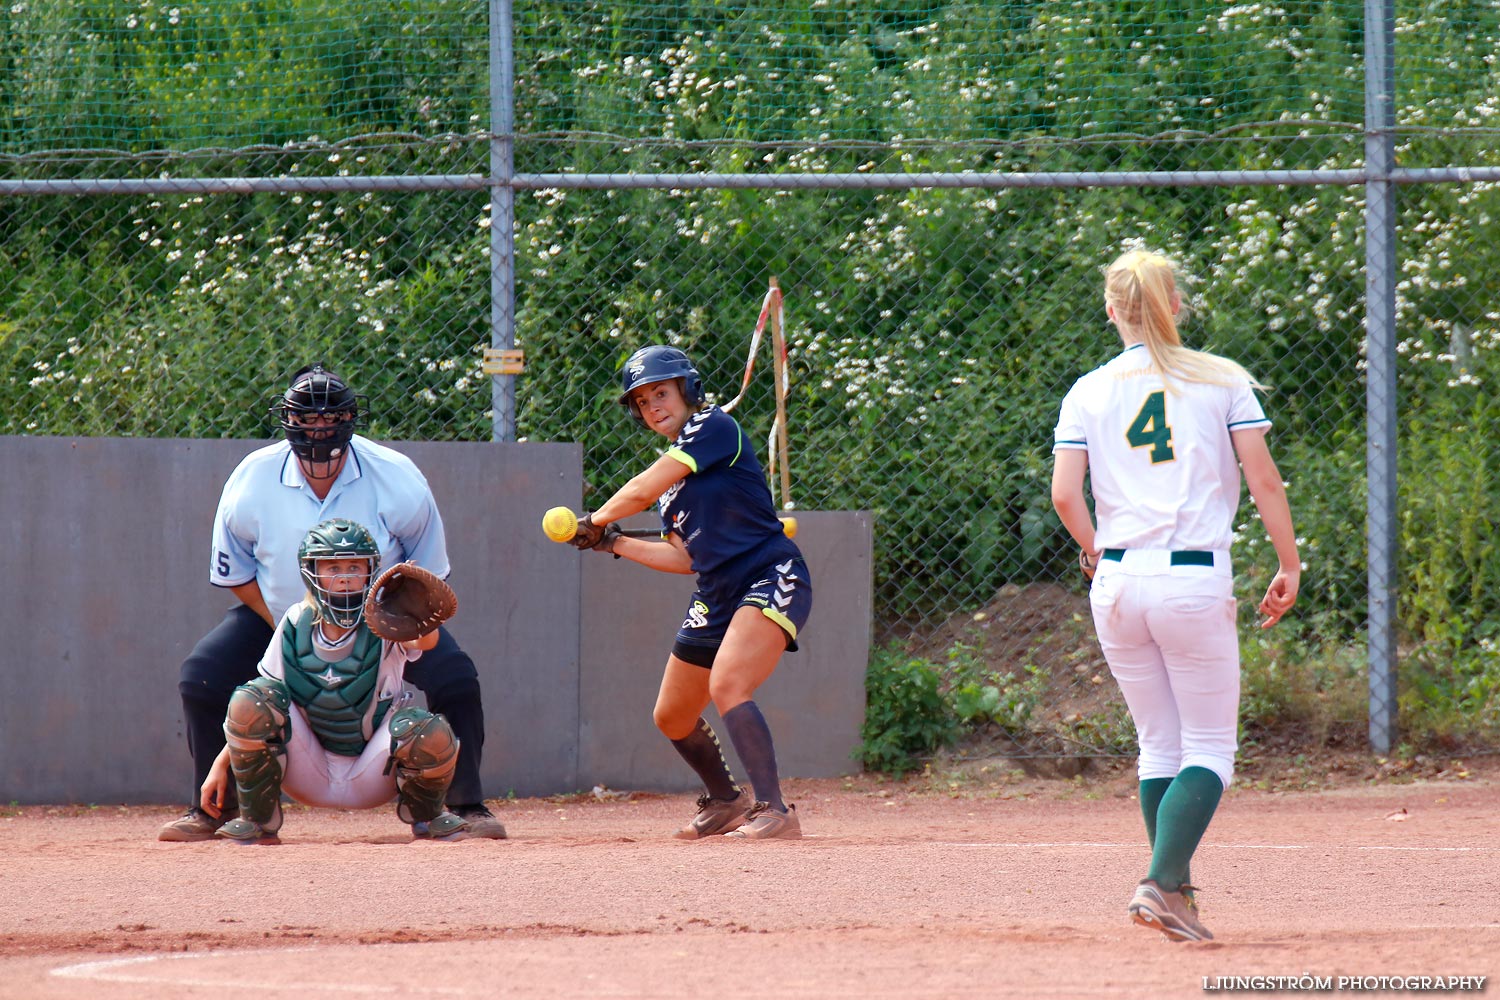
338,538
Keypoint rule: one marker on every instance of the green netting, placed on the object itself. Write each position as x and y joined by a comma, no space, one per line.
163,75
875,71
932,331
182,74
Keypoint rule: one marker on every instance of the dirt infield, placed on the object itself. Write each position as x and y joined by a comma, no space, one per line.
898,891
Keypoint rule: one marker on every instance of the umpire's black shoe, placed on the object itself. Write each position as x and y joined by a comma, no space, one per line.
193,825
482,823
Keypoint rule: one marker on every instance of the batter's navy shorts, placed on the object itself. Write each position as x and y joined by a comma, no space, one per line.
782,591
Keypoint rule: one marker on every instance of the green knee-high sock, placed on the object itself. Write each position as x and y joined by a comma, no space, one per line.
1182,817
1151,791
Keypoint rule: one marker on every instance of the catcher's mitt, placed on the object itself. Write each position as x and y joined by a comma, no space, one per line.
406,602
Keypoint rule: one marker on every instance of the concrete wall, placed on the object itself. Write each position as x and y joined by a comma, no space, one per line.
105,558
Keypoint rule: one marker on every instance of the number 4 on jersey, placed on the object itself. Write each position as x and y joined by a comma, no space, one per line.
1149,429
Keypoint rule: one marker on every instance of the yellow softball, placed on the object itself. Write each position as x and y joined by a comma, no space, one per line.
560,524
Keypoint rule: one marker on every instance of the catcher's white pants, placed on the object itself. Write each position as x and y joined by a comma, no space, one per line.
316,777
1169,636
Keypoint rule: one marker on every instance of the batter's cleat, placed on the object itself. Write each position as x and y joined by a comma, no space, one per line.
482,823
193,825
444,826
1175,914
715,816
246,832
765,823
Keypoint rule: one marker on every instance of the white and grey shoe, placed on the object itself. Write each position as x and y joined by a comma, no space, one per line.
765,823
714,816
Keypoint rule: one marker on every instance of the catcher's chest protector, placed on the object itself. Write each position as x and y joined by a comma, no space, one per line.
335,696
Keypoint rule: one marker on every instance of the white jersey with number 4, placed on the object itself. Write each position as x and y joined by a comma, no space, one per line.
1162,468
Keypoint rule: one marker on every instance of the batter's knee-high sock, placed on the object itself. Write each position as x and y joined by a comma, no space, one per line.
701,750
1181,820
752,741
1151,791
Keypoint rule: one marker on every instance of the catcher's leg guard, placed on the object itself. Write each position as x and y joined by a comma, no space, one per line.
424,753
256,729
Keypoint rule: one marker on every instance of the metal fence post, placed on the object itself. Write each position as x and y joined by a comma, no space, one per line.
1380,333
502,212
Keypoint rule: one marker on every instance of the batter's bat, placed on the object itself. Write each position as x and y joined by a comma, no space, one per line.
561,525
771,303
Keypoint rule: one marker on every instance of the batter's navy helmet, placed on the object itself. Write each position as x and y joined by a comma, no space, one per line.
658,364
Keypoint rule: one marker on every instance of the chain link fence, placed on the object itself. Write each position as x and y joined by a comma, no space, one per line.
197,198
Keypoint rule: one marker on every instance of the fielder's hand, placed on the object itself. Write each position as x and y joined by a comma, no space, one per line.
1280,596
588,534
1088,562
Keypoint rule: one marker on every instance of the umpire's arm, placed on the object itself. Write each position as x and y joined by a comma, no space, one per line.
251,597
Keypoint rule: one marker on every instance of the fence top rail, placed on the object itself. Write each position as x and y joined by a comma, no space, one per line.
1347,177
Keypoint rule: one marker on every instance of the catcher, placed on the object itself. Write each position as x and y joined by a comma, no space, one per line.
327,720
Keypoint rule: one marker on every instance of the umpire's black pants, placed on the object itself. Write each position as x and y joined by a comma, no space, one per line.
227,657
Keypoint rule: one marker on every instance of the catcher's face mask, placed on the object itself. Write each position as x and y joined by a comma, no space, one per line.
338,559
340,587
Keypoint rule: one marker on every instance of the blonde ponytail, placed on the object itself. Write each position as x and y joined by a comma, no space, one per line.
1141,289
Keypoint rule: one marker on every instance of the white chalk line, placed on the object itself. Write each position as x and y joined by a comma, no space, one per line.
113,971
1053,845
107,971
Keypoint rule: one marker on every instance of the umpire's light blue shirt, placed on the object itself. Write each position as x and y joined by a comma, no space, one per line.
267,508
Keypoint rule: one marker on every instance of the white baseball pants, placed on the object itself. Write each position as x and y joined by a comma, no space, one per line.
1170,638
316,777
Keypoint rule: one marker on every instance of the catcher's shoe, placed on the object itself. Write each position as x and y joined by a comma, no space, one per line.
1175,914
246,832
714,816
443,826
765,823
482,823
193,825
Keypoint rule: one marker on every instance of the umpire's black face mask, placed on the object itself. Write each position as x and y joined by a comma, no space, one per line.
319,438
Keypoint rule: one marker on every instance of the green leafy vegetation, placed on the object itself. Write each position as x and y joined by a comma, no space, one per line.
907,713
932,332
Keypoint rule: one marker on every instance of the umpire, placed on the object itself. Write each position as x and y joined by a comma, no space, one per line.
270,501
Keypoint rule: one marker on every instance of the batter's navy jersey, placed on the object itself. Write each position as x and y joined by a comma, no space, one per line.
722,509
267,508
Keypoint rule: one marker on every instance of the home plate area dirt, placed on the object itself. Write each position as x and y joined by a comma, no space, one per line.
898,889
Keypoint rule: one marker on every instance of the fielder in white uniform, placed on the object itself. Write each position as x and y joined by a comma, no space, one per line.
1162,432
